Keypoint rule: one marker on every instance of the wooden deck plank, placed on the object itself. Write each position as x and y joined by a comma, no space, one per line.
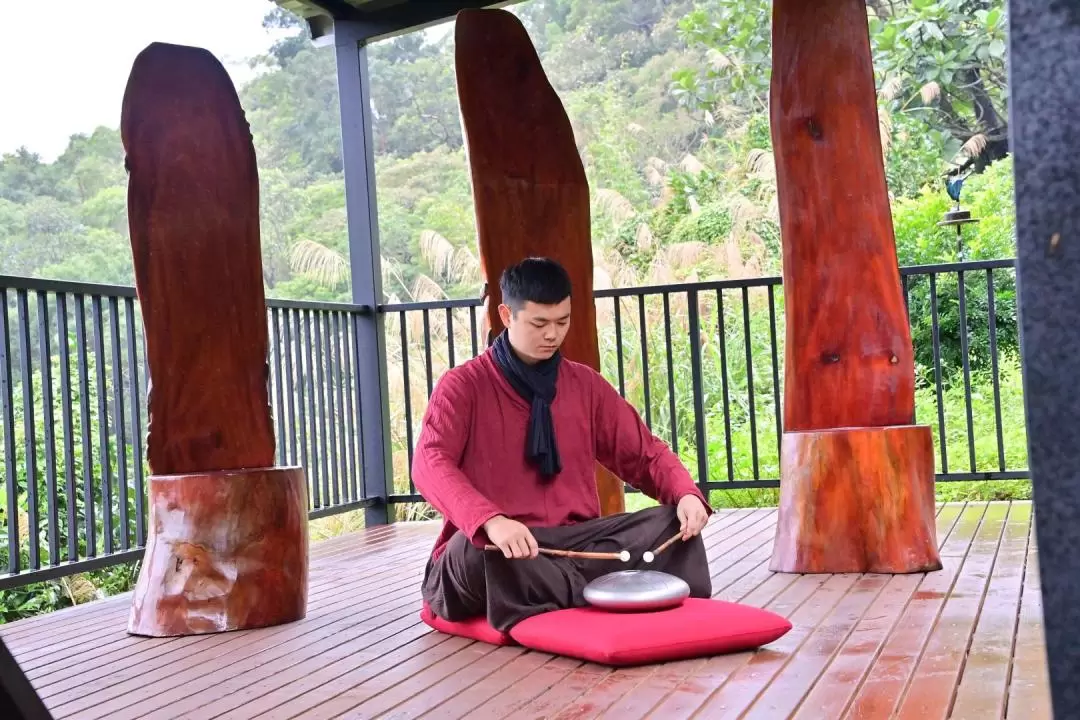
258,655
834,689
430,646
929,694
821,625
581,680
797,660
340,697
450,687
362,652
879,694
75,618
401,639
1029,688
461,668
984,684
551,674
136,677
800,601
125,651
523,669
112,634
112,613
641,697
440,659
338,601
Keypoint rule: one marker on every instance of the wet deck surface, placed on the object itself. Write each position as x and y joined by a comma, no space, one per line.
965,642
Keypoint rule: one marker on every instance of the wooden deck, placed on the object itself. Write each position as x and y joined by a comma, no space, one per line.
966,642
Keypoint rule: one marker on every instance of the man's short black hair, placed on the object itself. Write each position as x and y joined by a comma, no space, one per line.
539,280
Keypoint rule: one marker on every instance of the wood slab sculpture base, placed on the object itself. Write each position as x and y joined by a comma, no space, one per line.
530,190
227,551
857,500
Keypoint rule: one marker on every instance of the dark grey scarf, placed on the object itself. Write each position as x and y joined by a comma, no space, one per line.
536,385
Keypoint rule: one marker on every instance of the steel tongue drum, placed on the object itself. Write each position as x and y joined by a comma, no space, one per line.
636,591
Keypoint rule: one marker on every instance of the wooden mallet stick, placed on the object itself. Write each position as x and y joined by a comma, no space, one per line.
649,556
580,555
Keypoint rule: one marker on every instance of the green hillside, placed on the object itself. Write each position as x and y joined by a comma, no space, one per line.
668,99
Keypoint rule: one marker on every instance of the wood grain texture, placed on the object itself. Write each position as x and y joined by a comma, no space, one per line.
227,545
989,662
1029,683
363,625
193,211
880,692
529,188
857,500
226,551
848,353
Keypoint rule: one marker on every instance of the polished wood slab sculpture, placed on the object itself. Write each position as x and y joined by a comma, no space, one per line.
228,540
857,477
529,187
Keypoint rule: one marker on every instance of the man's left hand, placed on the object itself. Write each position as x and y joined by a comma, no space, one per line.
692,514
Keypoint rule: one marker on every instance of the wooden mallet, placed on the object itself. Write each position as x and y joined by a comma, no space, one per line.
580,555
650,555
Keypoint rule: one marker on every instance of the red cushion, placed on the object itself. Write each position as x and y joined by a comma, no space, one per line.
476,628
696,628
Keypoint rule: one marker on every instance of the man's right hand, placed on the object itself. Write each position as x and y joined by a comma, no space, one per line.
514,539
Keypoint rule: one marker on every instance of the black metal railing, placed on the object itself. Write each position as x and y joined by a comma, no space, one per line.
73,385
702,363
315,392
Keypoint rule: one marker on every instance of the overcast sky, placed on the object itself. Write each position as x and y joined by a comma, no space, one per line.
64,72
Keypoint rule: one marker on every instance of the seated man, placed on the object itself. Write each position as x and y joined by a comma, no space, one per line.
508,454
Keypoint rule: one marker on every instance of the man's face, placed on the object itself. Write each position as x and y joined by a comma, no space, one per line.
537,331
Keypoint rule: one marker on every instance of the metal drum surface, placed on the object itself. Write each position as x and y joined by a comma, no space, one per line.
636,590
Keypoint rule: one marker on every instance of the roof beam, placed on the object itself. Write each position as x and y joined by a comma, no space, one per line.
319,16
372,25
337,9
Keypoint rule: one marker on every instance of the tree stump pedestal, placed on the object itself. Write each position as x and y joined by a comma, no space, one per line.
226,551
227,543
857,500
856,475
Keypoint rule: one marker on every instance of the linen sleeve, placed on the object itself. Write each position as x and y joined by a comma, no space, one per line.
436,466
626,447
